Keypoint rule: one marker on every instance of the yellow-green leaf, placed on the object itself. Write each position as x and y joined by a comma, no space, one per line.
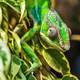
17,40
31,77
56,60
22,9
15,66
0,16
69,77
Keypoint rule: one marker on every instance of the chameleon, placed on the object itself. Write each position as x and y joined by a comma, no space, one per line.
48,27
52,31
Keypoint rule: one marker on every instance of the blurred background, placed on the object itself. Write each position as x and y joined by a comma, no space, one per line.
70,12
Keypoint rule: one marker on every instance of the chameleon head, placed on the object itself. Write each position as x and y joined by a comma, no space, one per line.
56,30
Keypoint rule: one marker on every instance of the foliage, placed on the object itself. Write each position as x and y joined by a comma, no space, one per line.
26,52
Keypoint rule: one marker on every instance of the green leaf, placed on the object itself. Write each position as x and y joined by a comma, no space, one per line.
56,60
1,65
12,4
5,19
20,76
2,76
69,77
17,42
4,36
24,66
5,52
15,66
31,77
22,9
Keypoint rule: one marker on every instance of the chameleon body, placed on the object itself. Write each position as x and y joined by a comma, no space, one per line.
44,20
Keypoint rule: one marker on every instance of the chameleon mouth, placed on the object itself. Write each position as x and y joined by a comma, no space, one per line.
65,46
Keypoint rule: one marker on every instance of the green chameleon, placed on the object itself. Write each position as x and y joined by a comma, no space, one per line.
50,29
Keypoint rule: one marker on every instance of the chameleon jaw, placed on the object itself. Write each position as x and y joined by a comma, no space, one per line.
50,43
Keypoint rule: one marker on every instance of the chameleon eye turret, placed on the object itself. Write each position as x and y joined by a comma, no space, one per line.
52,33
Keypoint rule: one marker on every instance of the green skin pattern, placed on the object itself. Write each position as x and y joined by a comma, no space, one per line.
44,19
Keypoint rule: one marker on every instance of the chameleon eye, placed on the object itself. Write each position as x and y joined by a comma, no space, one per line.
52,32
